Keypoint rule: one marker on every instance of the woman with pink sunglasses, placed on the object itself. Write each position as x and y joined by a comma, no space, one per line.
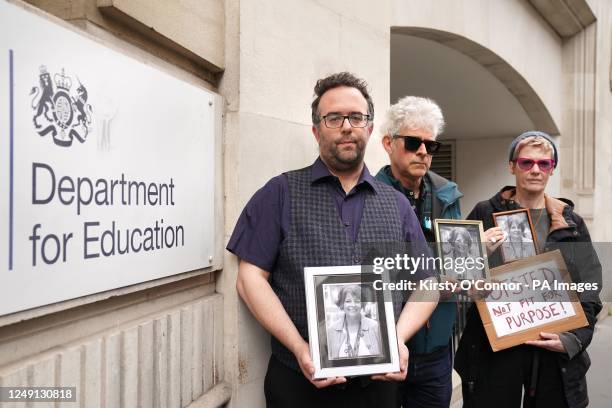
550,371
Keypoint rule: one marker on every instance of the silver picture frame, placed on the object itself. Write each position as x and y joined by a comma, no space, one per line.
351,324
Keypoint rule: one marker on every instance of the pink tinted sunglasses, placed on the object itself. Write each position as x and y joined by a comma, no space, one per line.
525,164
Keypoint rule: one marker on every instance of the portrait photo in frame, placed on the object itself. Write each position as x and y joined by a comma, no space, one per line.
521,240
462,254
351,324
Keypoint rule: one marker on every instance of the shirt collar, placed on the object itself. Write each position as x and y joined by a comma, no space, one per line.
320,172
424,188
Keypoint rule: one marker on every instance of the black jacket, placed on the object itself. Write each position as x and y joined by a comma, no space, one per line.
568,233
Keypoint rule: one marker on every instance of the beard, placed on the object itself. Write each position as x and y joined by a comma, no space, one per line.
341,159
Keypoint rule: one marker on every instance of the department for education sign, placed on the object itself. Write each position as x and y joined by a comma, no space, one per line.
106,167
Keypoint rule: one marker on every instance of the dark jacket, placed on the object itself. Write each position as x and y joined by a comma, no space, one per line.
445,204
569,234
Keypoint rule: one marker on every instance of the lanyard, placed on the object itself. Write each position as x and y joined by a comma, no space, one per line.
352,351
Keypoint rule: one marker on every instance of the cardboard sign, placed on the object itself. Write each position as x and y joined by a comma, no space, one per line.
534,295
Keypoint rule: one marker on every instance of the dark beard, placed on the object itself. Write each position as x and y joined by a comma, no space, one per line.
337,163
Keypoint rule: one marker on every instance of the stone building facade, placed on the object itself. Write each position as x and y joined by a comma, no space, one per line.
496,68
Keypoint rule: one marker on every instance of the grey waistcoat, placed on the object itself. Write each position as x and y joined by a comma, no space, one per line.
317,237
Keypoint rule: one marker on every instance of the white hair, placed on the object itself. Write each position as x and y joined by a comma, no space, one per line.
414,112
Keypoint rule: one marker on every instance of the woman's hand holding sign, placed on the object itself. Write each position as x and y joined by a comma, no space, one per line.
548,341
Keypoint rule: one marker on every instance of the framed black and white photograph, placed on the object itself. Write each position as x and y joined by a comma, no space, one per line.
520,240
461,249
351,326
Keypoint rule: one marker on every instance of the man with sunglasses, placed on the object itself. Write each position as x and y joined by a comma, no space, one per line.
322,215
409,133
551,369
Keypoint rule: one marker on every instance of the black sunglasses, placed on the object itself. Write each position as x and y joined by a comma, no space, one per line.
412,144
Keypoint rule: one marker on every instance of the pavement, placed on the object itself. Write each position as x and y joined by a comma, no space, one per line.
599,376
456,399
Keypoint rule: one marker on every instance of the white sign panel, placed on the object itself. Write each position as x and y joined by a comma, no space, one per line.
106,173
534,304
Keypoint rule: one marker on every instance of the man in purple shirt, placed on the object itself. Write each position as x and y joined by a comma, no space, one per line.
322,215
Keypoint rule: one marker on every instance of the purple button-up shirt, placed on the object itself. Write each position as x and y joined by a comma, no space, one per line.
264,222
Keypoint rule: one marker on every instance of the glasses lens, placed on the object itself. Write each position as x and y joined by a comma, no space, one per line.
525,164
432,146
412,144
545,165
333,121
358,120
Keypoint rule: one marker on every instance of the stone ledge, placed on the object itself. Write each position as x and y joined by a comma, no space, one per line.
194,30
124,296
566,17
132,37
218,396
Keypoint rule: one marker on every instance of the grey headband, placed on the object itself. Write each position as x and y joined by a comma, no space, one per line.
533,133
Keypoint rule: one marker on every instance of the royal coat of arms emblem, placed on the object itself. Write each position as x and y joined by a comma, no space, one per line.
64,115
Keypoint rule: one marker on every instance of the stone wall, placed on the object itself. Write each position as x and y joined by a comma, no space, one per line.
161,347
